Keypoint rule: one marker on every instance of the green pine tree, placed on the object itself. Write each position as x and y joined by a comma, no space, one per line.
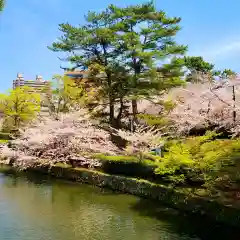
147,40
120,47
198,67
2,3
93,47
227,73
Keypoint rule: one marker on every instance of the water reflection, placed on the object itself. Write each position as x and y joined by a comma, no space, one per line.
39,208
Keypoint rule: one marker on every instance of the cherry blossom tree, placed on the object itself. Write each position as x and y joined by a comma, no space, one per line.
215,103
73,137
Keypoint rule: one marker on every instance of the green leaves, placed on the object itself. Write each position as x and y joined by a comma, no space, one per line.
197,67
199,70
205,161
226,73
20,106
65,94
198,64
125,46
2,3
147,40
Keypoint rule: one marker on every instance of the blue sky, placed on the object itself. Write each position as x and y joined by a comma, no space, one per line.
27,27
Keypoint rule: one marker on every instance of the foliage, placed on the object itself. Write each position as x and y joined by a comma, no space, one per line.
206,160
154,120
65,96
130,54
3,141
19,106
118,158
98,54
147,37
2,3
201,70
161,119
227,74
127,166
197,67
5,136
198,64
121,47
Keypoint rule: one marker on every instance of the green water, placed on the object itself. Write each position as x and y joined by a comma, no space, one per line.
44,209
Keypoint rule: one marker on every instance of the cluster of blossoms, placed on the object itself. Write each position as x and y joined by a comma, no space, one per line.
143,139
214,103
74,136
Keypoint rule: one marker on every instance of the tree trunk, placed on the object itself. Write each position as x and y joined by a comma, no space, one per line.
111,111
137,70
135,113
234,105
120,113
111,99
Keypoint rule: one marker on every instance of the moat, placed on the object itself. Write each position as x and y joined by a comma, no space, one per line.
34,207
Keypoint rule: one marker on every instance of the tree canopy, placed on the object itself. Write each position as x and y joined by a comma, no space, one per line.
227,73
124,50
65,94
2,3
19,106
198,64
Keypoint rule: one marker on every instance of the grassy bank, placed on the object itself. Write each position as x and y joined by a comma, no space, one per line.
172,197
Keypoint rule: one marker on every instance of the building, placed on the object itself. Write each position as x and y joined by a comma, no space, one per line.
38,85
83,77
77,74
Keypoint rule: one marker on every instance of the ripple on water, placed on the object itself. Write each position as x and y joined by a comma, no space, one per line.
40,209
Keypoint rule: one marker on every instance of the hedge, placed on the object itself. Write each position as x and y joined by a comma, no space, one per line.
5,136
128,166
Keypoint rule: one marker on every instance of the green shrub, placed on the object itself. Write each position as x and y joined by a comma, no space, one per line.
153,120
5,136
128,165
202,160
118,158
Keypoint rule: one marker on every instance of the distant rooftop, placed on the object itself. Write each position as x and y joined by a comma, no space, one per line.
77,74
80,74
37,83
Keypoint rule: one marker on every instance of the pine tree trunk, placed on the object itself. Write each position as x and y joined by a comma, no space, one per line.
134,101
120,113
135,113
111,111
111,100
234,105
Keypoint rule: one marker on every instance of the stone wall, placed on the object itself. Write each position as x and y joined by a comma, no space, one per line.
168,196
